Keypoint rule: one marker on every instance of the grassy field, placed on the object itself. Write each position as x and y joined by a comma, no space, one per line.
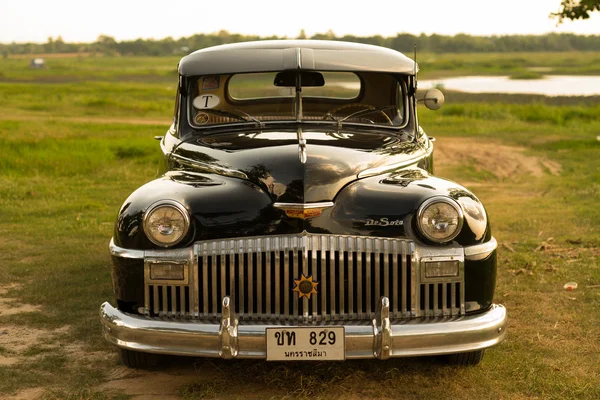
163,70
518,65
76,140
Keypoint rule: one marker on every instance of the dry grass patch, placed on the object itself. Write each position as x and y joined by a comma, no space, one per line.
26,394
164,384
18,339
10,306
501,160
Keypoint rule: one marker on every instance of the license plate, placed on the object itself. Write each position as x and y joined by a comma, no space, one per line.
306,343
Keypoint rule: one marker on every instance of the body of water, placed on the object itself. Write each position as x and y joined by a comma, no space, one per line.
551,85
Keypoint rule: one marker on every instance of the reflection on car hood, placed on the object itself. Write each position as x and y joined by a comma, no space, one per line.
271,160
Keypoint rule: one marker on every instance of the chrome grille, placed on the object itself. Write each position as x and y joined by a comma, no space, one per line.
352,274
169,300
258,274
440,299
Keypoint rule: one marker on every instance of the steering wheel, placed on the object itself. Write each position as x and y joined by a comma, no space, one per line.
366,107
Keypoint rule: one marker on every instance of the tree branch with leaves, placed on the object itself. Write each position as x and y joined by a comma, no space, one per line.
576,9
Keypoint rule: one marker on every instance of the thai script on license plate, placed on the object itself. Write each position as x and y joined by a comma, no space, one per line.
305,343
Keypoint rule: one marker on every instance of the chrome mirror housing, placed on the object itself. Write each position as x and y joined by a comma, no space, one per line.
434,99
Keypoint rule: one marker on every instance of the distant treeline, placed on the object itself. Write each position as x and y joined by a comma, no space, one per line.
403,42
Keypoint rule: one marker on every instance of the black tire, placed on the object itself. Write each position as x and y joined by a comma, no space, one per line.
137,359
471,358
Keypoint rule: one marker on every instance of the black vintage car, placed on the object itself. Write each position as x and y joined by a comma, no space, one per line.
297,217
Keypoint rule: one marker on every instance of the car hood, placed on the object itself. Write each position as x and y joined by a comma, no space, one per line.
273,161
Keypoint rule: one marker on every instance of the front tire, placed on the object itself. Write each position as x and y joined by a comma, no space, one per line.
137,359
470,358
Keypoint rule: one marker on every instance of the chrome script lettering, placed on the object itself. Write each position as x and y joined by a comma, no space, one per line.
383,222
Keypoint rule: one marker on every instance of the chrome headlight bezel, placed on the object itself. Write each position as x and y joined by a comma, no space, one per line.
177,207
475,215
440,199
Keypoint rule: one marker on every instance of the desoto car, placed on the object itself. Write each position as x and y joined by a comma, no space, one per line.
296,217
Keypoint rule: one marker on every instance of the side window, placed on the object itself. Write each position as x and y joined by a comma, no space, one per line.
400,100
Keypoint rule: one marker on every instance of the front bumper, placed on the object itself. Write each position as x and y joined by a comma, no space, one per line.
380,339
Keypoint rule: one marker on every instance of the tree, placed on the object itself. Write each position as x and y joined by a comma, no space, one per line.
50,47
576,9
302,34
106,44
59,45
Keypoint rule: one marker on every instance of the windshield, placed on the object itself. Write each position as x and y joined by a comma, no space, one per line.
298,96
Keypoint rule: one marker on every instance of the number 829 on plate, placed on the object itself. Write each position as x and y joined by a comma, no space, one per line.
306,343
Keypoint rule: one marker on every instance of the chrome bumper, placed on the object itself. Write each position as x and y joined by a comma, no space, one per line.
380,339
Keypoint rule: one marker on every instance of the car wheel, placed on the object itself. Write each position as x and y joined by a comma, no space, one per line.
471,358
138,360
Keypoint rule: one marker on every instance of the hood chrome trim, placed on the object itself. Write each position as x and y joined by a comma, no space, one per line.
304,206
207,167
391,167
301,147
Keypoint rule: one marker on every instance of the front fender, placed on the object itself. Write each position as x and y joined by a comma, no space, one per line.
218,206
386,206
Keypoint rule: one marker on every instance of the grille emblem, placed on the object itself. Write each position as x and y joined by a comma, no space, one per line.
305,286
303,214
303,211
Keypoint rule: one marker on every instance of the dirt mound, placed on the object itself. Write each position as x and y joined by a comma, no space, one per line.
501,160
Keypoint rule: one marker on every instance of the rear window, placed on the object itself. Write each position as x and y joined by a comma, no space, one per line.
338,85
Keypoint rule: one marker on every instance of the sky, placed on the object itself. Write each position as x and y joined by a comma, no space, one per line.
83,21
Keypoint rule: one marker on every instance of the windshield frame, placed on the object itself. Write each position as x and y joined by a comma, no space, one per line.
400,81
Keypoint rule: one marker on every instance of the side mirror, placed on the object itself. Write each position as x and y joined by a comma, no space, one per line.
434,99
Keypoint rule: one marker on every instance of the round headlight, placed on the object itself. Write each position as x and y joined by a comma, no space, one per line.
440,219
166,223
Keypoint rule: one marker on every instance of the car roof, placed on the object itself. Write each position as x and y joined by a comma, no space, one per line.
278,55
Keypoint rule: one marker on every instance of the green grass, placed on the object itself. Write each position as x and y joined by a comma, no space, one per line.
527,74
560,63
91,68
557,117
103,99
63,179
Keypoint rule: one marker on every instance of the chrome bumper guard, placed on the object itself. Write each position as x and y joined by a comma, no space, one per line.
381,339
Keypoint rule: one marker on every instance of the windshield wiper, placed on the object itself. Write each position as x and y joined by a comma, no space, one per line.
360,113
251,118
